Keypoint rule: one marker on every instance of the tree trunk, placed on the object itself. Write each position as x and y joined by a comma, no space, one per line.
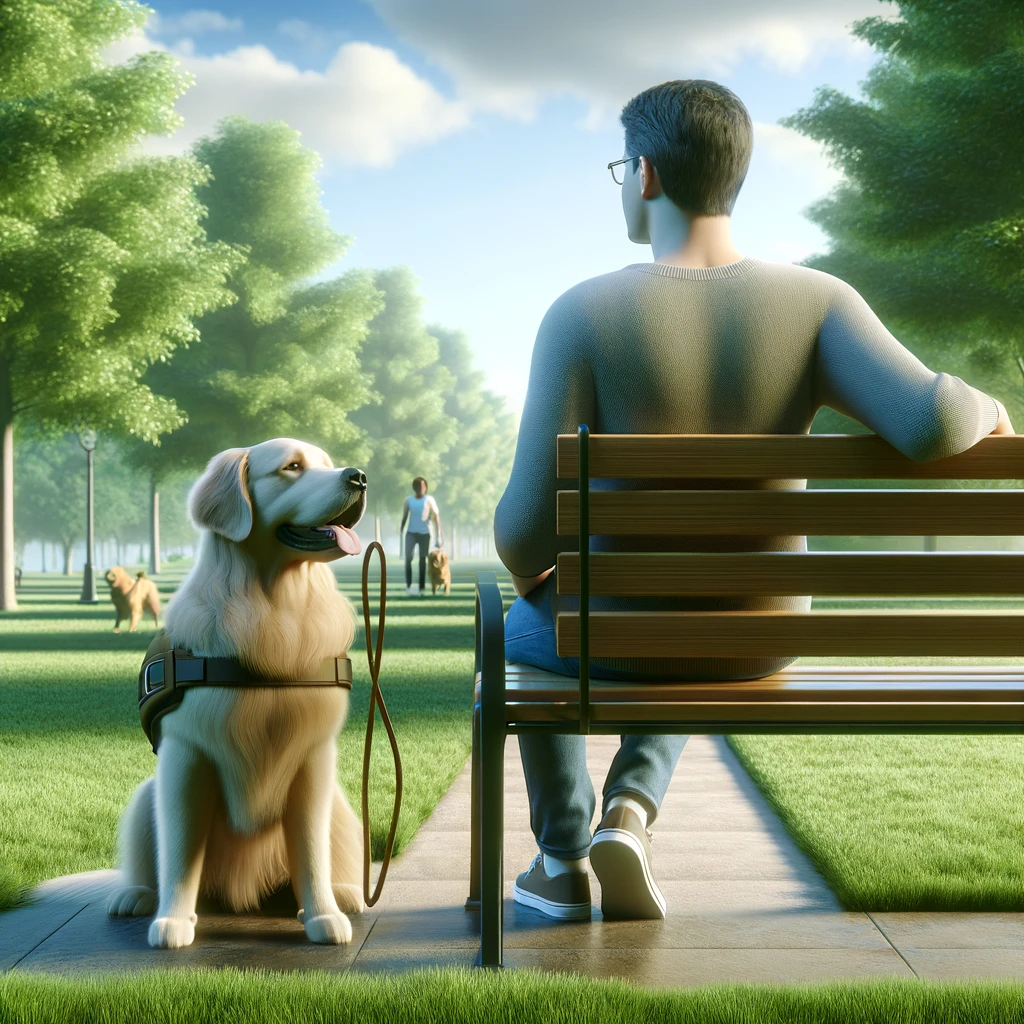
454,553
376,528
42,548
69,555
154,527
8,600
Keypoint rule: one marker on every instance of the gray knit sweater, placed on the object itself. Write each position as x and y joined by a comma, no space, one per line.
747,348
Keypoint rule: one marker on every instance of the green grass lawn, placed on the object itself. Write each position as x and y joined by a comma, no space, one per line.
463,997
72,750
902,822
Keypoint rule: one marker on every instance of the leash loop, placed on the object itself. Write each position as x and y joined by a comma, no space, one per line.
373,654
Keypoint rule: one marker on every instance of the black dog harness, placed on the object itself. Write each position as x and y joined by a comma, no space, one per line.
168,671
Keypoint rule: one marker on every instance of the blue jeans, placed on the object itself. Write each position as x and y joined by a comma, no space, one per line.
562,800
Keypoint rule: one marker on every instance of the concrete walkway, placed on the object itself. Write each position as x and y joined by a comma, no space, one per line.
744,906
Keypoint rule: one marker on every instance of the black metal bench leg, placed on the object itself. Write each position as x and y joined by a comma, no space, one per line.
473,901
492,836
490,628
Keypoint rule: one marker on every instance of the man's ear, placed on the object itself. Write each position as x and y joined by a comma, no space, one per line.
220,501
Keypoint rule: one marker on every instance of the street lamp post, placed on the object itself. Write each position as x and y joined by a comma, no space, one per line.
88,441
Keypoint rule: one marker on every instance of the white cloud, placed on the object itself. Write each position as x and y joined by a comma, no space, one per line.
508,57
786,146
365,108
193,23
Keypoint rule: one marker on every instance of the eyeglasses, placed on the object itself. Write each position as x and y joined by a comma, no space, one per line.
619,172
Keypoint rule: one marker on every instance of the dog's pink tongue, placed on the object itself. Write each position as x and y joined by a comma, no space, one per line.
346,540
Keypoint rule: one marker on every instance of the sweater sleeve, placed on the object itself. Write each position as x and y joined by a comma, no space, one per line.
559,397
863,372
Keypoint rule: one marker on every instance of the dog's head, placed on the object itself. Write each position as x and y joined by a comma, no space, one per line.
437,558
115,576
282,497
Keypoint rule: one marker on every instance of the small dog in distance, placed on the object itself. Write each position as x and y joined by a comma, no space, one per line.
132,596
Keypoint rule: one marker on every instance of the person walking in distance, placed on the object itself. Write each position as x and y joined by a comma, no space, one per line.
417,511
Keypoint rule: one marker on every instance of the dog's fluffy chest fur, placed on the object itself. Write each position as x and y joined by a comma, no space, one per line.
258,736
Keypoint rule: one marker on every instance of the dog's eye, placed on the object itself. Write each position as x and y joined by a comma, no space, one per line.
294,465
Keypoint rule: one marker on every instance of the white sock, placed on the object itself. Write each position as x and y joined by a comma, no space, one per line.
622,800
555,866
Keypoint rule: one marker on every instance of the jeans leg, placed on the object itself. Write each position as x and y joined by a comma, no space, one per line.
643,766
561,795
424,543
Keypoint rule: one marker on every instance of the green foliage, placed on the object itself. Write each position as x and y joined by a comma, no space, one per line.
475,469
284,360
49,492
929,223
462,995
407,427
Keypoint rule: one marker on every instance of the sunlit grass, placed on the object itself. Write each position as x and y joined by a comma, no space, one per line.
468,997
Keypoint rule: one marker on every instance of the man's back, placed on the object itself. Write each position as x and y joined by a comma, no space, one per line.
750,347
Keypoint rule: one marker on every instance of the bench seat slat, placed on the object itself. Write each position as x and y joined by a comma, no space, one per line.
794,512
782,456
700,714
822,573
763,634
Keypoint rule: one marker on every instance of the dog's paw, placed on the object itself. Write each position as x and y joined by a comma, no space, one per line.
329,929
348,897
172,932
132,901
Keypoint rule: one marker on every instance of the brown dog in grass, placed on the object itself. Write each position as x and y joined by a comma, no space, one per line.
440,571
132,596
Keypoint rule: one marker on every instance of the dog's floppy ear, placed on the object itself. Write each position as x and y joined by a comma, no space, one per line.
220,501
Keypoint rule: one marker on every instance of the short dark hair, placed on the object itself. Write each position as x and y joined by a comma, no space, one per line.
421,480
699,137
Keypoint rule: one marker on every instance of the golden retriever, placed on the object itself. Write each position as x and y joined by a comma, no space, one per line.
131,597
440,571
244,798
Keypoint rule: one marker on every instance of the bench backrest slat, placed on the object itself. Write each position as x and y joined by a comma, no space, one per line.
782,456
824,573
837,512
759,634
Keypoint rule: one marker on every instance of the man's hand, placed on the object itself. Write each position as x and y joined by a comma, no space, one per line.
524,584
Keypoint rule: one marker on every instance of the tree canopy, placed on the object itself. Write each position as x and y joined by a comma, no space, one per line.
103,263
284,358
929,222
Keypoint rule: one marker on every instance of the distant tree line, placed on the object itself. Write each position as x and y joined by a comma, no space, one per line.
171,304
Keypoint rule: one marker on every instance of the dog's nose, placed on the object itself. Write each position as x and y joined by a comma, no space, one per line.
357,478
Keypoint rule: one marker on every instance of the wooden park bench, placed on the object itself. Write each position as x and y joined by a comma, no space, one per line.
799,699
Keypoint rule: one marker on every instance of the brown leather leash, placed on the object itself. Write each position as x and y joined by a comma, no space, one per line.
373,653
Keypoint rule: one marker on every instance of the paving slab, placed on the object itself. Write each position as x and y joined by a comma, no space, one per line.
745,905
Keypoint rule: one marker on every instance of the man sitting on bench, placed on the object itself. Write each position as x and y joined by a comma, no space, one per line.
702,340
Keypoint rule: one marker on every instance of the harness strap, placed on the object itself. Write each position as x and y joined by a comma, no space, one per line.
167,672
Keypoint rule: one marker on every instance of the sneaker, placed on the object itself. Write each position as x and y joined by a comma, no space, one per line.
565,897
620,855
413,591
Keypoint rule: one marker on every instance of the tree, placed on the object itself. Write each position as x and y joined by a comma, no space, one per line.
284,358
103,264
475,469
407,428
929,222
49,496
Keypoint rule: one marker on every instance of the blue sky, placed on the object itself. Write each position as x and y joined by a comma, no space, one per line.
467,139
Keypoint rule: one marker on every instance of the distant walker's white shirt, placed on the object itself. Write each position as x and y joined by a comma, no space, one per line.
419,510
